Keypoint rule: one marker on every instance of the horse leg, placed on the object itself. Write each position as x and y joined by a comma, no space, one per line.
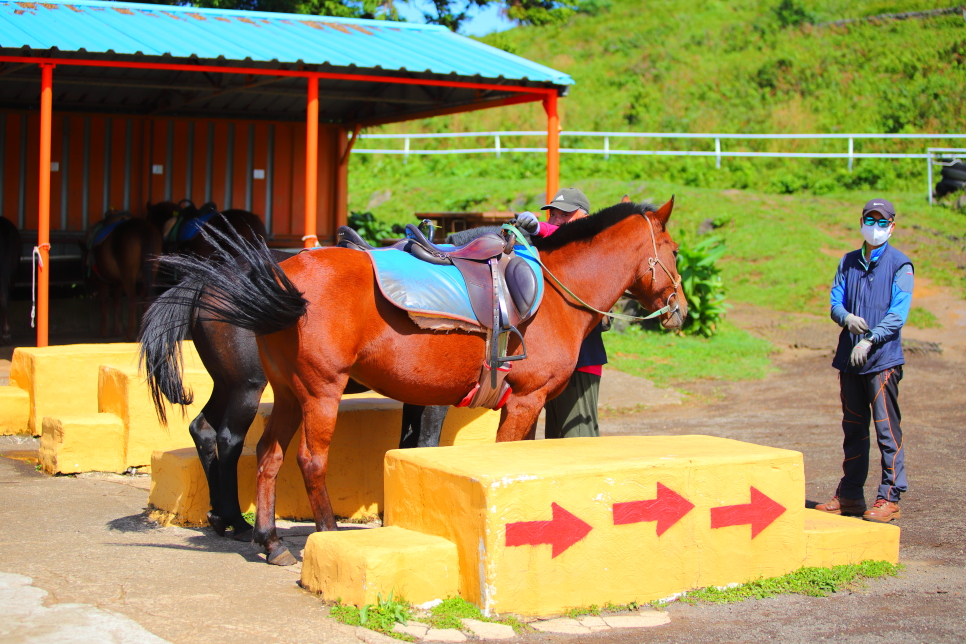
205,438
519,416
421,426
282,425
239,414
319,414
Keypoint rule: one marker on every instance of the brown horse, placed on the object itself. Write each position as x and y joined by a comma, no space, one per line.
120,255
322,320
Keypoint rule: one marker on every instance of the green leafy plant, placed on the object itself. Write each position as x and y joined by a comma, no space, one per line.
371,229
452,612
702,285
381,616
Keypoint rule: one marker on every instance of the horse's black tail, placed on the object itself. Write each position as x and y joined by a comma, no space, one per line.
243,283
164,327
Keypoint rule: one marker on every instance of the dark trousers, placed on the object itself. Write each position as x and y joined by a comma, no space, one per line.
574,412
875,397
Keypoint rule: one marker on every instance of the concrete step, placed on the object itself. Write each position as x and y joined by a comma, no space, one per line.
72,444
832,540
14,410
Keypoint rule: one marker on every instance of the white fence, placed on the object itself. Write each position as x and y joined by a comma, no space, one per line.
931,155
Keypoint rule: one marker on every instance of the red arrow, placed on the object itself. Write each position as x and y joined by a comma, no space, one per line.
760,513
563,531
667,509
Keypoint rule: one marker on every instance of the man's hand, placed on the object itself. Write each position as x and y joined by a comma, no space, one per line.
860,353
856,325
528,222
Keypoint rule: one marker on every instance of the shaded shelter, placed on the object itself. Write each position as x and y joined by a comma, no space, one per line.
252,110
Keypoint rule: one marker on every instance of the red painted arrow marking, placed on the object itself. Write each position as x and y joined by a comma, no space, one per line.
760,513
667,509
563,531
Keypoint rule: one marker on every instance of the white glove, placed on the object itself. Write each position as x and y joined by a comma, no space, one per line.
860,353
528,221
856,325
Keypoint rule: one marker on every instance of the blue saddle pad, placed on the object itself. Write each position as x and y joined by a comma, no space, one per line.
432,290
104,229
190,229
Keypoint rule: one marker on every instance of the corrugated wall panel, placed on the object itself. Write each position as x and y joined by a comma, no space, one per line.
106,162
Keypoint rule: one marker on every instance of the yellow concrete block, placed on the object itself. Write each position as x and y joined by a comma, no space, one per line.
537,530
14,411
367,427
178,486
62,380
72,444
832,540
122,392
357,566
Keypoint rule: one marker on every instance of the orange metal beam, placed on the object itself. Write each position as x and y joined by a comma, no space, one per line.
553,145
537,95
312,164
258,71
43,210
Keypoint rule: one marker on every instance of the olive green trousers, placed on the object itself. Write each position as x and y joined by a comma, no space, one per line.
574,412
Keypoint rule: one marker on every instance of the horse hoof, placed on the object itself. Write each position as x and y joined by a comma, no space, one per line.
244,534
281,557
217,524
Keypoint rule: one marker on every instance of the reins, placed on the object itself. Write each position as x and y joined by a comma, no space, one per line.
652,262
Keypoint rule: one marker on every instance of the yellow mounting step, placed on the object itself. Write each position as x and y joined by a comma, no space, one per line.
543,526
92,443
832,540
14,410
359,566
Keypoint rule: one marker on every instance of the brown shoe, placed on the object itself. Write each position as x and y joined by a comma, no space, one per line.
845,507
882,511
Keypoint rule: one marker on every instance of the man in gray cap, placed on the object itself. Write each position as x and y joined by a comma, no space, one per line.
870,299
574,411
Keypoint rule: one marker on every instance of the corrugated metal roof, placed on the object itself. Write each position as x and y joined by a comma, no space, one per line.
121,28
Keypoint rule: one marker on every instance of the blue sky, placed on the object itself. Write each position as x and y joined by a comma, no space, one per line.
482,21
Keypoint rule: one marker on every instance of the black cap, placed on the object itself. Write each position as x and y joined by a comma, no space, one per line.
881,206
569,200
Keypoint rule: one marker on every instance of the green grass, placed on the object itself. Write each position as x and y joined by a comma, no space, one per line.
249,516
922,319
665,358
452,612
381,616
814,582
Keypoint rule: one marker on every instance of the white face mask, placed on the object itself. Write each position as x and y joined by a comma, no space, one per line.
876,236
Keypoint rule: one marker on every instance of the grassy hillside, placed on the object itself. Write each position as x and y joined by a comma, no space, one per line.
735,67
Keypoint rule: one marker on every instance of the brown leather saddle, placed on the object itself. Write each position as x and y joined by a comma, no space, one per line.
501,286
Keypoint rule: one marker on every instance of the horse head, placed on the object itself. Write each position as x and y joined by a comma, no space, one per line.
658,283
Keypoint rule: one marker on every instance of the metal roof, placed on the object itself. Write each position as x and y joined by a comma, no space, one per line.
94,30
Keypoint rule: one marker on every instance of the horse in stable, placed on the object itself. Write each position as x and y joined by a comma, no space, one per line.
321,322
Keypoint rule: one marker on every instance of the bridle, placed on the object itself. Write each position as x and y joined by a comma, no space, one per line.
652,262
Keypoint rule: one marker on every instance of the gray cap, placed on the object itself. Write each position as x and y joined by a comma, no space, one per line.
569,200
881,206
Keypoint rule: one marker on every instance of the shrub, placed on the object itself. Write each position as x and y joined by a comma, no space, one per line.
371,229
702,285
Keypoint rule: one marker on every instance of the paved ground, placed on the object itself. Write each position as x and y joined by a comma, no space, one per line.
85,540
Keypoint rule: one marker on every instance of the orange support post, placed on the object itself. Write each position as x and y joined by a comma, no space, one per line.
43,214
553,145
312,164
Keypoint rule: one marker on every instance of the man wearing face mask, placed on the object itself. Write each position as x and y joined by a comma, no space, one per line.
574,411
870,299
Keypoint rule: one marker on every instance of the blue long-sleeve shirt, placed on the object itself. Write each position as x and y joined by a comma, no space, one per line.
898,313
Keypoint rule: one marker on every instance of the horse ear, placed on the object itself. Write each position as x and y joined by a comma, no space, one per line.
626,199
664,212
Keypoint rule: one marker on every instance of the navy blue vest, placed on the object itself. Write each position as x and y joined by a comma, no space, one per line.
868,294
592,350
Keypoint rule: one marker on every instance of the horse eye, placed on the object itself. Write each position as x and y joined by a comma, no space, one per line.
675,254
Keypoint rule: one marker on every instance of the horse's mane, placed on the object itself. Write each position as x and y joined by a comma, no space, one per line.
588,227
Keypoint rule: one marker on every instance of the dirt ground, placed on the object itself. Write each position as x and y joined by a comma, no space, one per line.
85,539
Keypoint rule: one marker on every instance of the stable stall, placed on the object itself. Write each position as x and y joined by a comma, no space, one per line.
141,103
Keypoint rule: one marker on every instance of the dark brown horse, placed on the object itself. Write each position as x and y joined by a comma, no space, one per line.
321,321
230,355
9,264
181,224
120,255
